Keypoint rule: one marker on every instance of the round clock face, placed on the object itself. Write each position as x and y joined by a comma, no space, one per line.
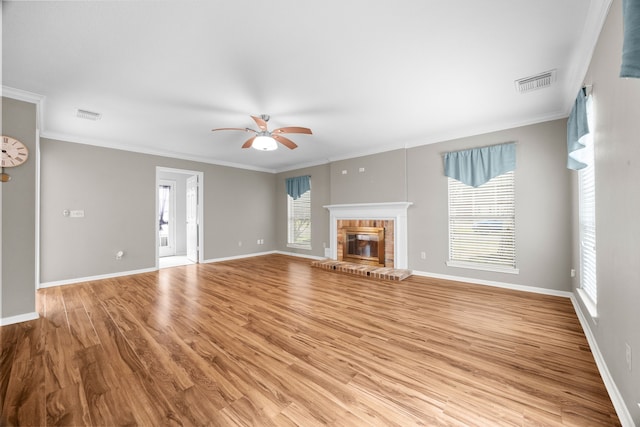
14,152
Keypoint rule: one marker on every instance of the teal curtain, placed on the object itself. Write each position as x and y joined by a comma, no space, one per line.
631,42
577,130
298,185
477,166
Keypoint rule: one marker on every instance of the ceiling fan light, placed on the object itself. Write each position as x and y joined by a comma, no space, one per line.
264,143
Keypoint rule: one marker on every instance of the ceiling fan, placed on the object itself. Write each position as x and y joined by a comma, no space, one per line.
266,140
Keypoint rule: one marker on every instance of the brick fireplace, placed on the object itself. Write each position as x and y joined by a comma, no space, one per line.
369,224
366,241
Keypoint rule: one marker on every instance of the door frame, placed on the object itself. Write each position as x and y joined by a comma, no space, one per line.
200,174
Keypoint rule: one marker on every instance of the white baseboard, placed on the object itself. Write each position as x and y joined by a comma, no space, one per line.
19,318
314,257
505,285
92,278
616,398
231,258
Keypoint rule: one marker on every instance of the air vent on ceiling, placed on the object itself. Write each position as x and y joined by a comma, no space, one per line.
89,115
538,81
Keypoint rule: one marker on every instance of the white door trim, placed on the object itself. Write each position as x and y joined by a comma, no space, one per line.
200,174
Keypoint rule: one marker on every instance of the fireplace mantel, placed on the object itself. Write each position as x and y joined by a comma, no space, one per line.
396,211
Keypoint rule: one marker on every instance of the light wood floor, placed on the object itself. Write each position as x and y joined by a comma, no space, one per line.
271,341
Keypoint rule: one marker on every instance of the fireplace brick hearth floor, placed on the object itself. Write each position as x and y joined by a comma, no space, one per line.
374,272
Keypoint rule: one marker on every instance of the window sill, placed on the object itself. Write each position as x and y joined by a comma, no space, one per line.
483,267
591,306
294,246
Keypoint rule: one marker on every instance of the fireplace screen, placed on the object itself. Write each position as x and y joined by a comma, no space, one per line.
364,245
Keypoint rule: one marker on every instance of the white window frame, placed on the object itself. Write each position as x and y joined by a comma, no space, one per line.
588,290
475,241
299,210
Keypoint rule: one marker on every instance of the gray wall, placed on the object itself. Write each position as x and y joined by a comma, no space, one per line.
19,214
543,209
116,189
320,196
543,202
383,179
617,149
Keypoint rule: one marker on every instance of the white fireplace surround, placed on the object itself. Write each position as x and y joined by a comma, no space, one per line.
396,211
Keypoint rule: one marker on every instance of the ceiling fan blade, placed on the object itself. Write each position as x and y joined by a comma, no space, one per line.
285,141
243,129
249,142
293,129
261,123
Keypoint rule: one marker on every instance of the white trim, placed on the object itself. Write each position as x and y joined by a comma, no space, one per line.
616,398
200,175
594,22
234,257
533,289
19,318
93,278
255,254
314,257
151,151
483,267
589,304
298,246
33,98
396,211
37,213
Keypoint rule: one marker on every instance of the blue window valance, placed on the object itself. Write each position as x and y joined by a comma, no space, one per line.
577,131
631,42
298,185
477,166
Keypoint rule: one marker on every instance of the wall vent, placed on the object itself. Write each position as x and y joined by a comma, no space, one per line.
538,81
88,115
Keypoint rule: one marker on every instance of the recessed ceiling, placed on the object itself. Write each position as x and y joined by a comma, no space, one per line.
365,75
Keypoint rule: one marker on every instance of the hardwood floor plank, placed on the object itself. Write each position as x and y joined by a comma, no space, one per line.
271,341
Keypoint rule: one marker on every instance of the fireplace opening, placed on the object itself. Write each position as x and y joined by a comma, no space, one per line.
364,245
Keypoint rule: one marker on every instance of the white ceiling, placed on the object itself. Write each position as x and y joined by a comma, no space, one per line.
365,75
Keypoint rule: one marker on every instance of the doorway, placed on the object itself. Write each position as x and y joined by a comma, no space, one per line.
178,227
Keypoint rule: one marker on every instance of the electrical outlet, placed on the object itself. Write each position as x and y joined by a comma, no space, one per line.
423,255
572,272
627,355
239,242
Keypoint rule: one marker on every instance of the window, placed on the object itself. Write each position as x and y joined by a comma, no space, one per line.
587,214
299,221
482,224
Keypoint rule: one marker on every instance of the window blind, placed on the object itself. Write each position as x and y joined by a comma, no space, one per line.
482,222
299,221
587,213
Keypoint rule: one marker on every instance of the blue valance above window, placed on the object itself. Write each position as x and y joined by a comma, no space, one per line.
476,166
631,43
577,130
298,185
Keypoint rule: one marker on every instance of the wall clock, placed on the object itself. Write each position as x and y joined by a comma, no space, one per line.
14,153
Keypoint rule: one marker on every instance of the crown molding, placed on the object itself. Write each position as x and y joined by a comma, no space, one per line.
596,17
154,152
25,96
